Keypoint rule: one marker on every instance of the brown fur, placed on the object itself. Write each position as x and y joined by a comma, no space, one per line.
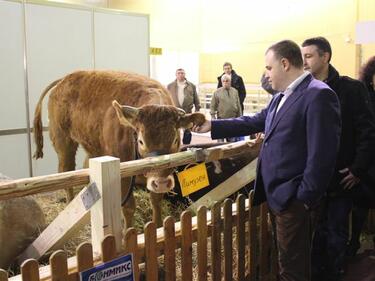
80,113
21,221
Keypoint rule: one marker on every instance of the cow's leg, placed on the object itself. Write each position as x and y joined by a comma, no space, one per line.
66,149
156,207
128,208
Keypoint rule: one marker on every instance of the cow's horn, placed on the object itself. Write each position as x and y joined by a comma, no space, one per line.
181,112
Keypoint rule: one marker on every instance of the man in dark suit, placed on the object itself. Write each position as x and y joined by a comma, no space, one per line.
302,132
354,159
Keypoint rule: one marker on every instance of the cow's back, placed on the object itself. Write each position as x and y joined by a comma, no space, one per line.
82,103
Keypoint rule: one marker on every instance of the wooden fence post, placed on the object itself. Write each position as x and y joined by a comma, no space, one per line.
106,213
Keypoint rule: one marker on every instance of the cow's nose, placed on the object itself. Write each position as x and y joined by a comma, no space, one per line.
161,185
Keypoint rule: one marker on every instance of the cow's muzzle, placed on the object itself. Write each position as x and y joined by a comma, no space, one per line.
160,184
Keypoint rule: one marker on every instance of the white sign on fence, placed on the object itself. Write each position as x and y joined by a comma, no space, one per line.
120,269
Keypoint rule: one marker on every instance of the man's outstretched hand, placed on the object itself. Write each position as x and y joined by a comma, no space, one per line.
203,128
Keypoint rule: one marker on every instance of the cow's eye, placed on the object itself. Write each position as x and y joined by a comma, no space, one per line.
176,141
140,142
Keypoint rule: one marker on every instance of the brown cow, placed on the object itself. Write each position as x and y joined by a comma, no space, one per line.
81,112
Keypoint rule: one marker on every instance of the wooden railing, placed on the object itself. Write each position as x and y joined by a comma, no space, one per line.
34,185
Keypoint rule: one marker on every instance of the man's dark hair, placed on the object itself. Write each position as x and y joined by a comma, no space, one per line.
227,64
289,50
367,72
321,44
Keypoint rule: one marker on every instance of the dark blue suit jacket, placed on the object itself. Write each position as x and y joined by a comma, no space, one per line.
299,150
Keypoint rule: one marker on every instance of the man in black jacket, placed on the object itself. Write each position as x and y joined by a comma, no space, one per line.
236,83
353,161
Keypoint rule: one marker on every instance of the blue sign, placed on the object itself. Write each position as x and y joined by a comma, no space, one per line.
120,269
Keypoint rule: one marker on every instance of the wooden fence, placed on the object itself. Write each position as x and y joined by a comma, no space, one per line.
232,241
106,172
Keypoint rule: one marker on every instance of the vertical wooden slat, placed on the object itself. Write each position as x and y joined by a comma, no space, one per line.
169,249
186,246
84,257
228,241
150,252
106,212
264,243
216,242
59,266
202,243
131,246
252,238
240,241
108,247
30,270
3,275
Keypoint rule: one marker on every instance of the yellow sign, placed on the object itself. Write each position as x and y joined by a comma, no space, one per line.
193,179
156,51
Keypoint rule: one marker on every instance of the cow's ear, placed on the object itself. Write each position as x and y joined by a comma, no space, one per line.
126,114
189,120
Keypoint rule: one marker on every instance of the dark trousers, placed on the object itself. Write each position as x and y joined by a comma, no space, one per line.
186,139
331,238
363,200
294,230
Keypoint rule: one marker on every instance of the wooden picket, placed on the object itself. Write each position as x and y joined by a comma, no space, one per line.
3,275
84,256
151,252
228,240
131,246
186,247
263,242
29,270
202,243
169,249
241,238
252,239
216,241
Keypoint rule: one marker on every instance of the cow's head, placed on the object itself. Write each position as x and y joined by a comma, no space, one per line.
157,130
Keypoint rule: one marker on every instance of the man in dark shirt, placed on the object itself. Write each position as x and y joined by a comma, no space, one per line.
236,82
354,158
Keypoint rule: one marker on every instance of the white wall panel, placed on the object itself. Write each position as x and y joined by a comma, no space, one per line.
14,161
12,80
121,42
59,41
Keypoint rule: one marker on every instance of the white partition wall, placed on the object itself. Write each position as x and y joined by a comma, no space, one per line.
14,159
121,41
53,50
44,41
